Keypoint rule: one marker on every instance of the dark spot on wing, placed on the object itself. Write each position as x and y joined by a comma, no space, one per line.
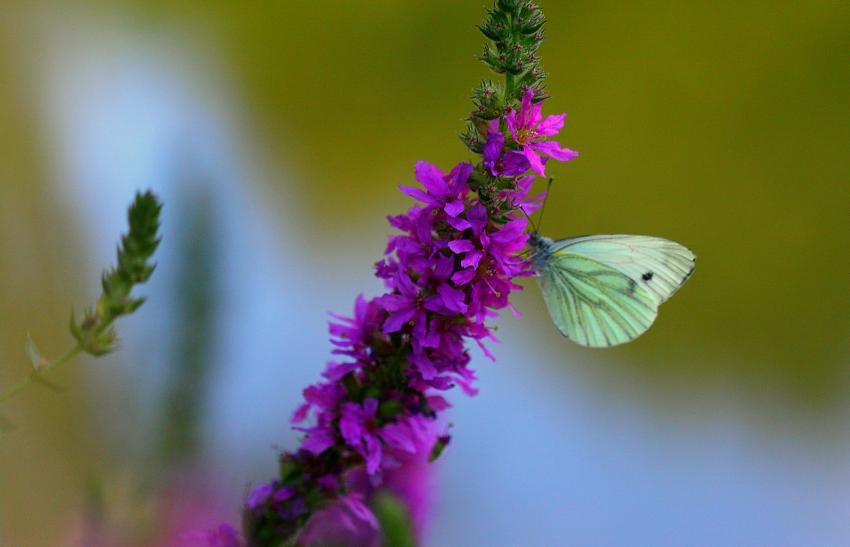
647,276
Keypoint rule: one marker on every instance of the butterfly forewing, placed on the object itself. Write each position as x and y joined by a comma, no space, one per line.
594,304
658,264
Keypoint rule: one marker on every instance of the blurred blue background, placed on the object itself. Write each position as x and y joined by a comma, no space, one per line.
276,134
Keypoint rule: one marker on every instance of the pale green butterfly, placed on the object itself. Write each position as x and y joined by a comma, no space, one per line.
605,290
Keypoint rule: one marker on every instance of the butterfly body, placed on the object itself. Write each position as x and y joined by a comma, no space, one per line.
604,290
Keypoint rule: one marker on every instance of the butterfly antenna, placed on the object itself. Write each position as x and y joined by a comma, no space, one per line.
543,208
530,220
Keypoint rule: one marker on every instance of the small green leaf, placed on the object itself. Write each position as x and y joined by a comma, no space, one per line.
76,330
396,525
439,446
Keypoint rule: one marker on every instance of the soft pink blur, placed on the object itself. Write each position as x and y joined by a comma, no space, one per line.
412,483
191,502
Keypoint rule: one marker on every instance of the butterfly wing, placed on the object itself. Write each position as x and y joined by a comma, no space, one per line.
603,291
658,264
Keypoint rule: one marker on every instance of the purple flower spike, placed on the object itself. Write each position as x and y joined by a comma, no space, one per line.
449,267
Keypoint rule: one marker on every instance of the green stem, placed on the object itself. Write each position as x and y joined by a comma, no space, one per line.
509,78
509,87
20,385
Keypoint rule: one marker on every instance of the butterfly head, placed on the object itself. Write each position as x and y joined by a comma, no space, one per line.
540,250
540,245
538,242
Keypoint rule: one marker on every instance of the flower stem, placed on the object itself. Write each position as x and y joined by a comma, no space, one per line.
35,375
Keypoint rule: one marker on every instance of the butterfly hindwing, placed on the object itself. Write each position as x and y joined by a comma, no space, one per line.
605,290
594,304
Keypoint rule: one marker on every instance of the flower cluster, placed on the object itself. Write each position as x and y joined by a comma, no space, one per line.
449,269
448,272
529,131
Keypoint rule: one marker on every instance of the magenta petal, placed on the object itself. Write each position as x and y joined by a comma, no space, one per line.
373,454
460,175
422,228
425,366
514,163
534,160
284,493
324,395
524,184
471,260
318,441
454,208
467,387
434,303
300,413
405,285
370,407
463,277
223,536
453,299
511,230
360,511
397,320
360,306
551,125
431,178
336,372
432,339
529,207
394,302
511,121
492,150
259,495
459,224
399,436
554,149
438,403
416,193
461,246
349,424
535,115
444,267
477,216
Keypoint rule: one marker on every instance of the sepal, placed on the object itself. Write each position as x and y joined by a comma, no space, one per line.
36,358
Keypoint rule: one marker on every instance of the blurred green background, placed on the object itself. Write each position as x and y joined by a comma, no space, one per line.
722,125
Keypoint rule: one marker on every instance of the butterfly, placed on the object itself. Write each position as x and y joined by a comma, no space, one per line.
604,290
